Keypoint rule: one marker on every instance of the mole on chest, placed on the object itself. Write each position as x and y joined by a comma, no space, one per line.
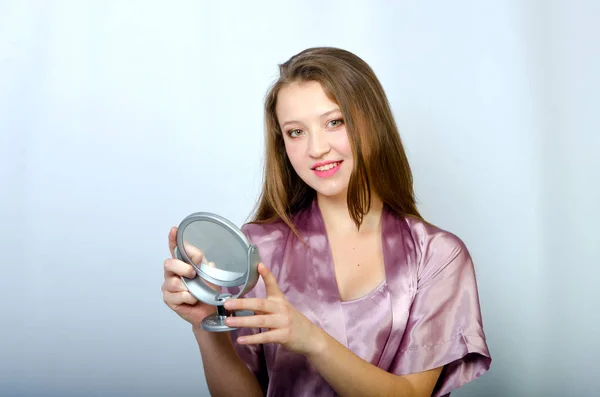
357,271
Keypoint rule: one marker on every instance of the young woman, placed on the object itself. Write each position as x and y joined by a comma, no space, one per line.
358,295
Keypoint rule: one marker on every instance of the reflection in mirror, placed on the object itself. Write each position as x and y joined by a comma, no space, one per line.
194,253
207,241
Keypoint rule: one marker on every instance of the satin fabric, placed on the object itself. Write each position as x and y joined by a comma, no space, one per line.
425,314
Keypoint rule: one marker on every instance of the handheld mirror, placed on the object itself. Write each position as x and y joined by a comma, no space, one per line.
221,255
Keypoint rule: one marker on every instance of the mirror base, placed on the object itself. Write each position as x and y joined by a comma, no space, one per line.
216,323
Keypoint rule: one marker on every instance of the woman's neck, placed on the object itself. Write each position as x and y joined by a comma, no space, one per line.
337,217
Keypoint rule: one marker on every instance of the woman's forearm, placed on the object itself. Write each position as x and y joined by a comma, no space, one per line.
349,375
225,372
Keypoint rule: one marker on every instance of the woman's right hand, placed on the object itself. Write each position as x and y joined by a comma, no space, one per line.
175,293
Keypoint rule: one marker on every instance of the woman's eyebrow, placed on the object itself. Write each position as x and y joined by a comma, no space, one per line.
329,112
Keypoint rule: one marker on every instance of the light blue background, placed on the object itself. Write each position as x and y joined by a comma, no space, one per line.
119,118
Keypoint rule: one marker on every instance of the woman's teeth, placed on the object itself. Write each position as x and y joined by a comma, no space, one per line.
327,167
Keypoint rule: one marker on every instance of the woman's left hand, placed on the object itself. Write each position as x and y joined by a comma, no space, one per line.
287,326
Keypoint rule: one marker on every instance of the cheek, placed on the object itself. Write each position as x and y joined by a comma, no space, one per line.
294,153
342,144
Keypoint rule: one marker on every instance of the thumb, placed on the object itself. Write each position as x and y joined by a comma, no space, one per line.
211,285
270,283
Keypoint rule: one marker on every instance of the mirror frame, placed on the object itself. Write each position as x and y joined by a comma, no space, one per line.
196,286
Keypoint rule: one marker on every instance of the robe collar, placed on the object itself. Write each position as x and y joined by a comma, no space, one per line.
398,252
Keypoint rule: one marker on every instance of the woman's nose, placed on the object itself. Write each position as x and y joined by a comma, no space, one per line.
318,144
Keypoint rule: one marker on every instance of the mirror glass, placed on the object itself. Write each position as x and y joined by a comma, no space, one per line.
209,243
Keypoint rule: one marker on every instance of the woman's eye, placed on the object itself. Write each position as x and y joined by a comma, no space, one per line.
294,133
336,123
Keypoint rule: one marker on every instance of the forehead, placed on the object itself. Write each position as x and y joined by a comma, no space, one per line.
302,100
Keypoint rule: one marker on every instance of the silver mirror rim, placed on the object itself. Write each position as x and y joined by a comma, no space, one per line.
210,217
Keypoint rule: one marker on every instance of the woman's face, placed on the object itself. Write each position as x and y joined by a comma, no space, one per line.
315,138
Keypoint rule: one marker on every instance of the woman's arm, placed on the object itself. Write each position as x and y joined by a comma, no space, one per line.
226,374
350,375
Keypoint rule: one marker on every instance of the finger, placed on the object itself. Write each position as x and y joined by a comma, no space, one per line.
174,284
270,282
179,268
278,335
173,299
258,321
172,241
254,304
211,285
194,253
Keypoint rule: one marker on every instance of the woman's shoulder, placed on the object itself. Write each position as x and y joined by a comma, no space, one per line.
260,233
276,230
429,235
272,241
434,246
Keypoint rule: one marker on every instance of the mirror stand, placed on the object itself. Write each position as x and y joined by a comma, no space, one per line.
216,322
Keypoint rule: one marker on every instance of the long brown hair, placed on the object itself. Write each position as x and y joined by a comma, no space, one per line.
380,163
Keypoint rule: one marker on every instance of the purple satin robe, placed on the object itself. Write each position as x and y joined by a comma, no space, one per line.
425,314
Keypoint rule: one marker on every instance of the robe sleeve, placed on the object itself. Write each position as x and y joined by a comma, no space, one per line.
445,325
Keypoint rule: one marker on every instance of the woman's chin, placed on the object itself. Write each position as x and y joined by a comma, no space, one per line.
332,194
329,189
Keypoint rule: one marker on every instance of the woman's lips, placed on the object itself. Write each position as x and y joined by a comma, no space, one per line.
325,170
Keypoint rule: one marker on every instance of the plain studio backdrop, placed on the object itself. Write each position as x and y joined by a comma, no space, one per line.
120,118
